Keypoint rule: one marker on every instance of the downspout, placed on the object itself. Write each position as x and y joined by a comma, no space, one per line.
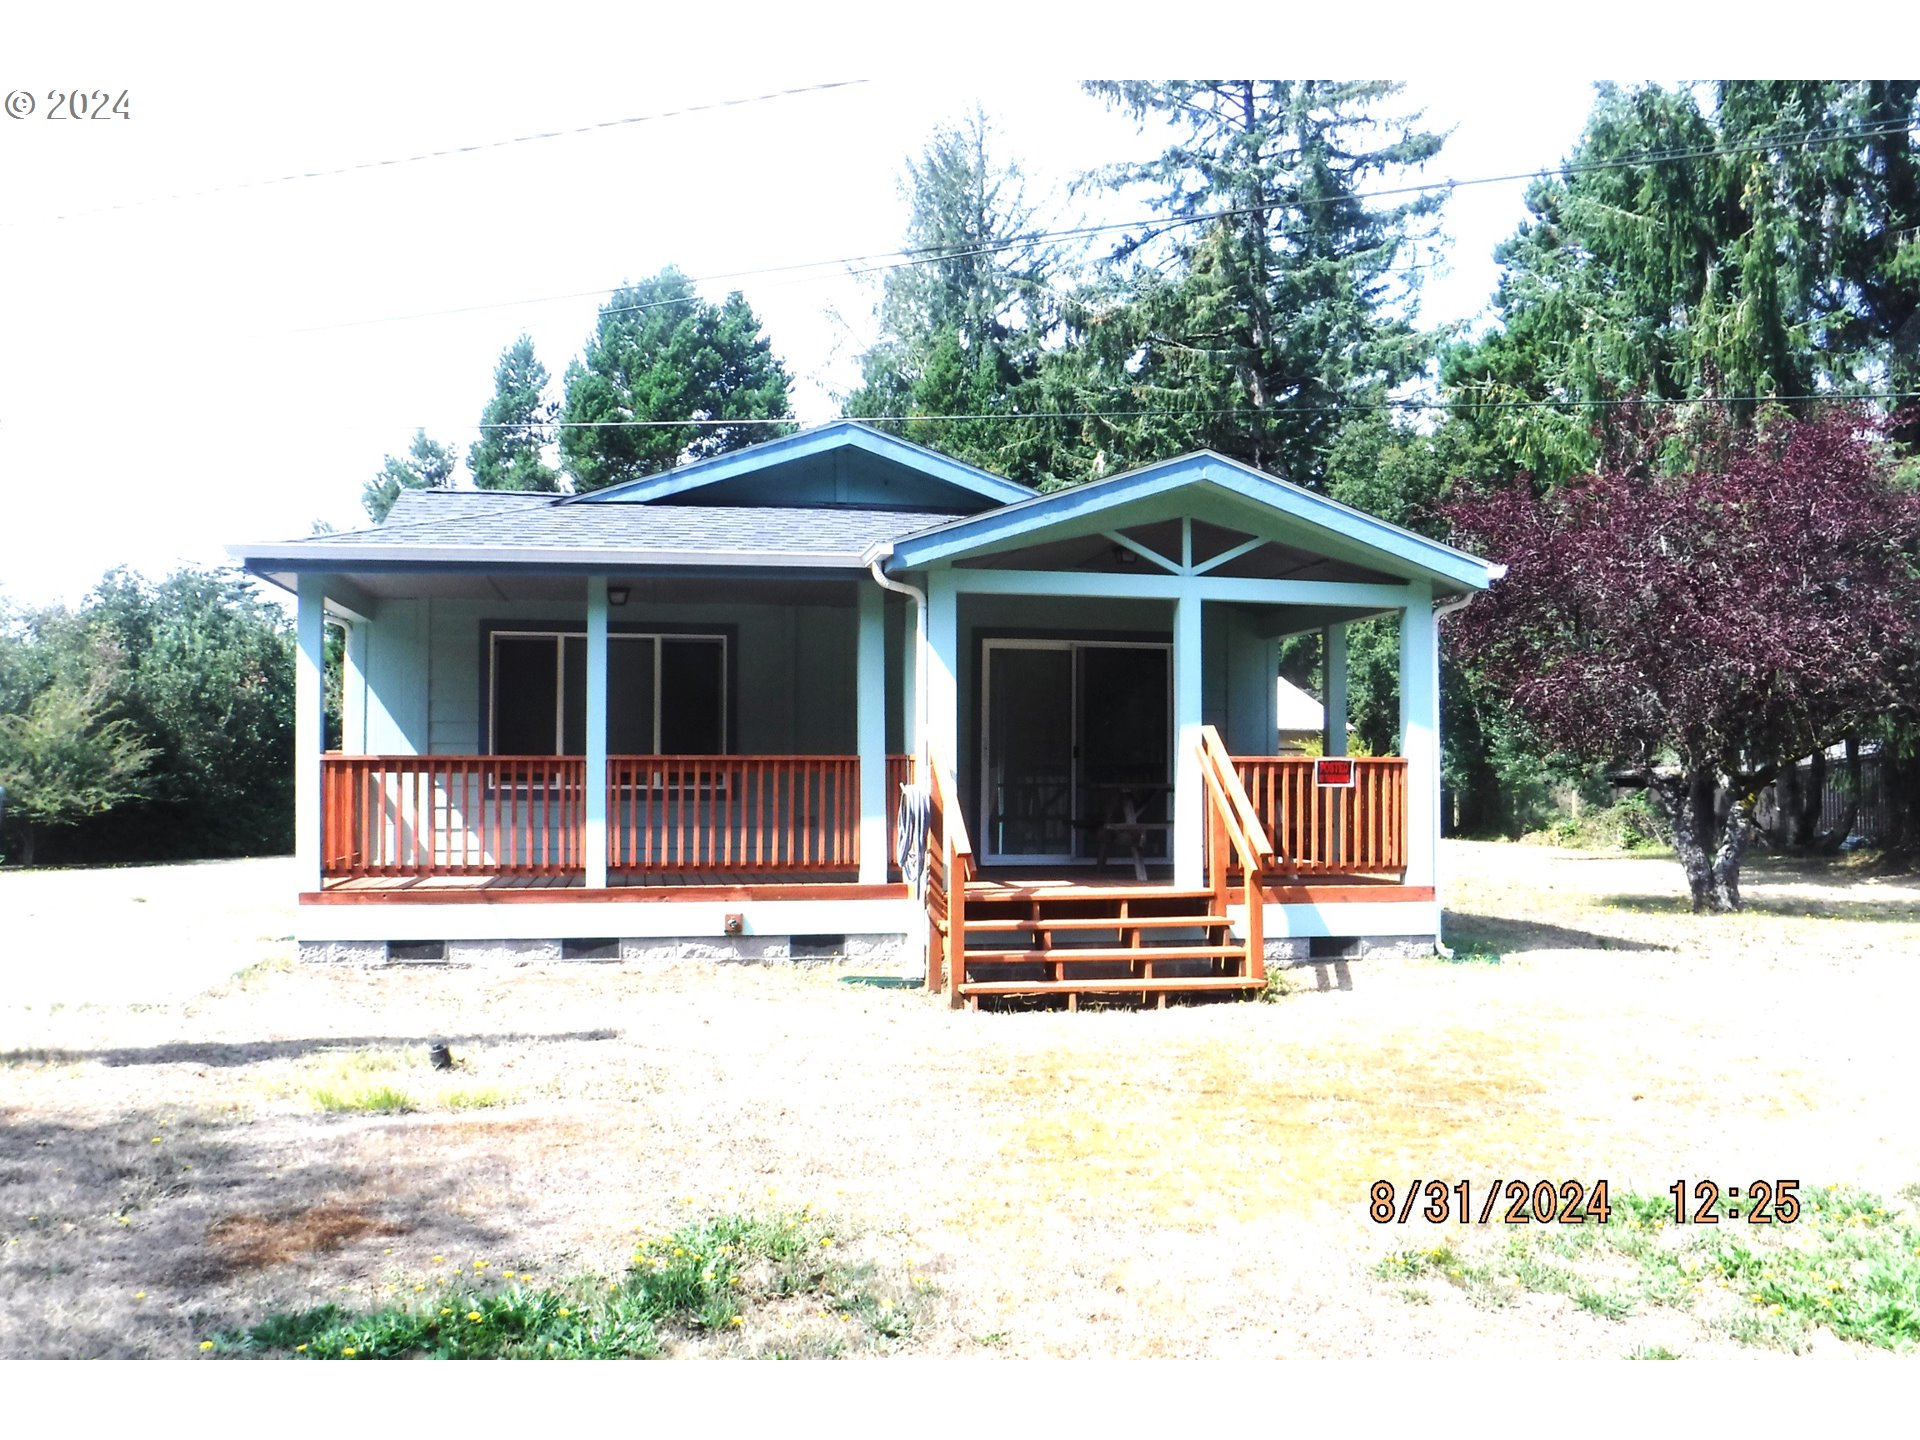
876,555
1440,612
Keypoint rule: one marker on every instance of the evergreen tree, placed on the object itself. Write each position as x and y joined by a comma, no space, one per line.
1269,296
1765,247
962,327
427,465
514,426
661,353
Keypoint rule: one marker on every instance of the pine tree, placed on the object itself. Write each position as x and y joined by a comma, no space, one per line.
427,465
962,327
661,353
514,426
1270,294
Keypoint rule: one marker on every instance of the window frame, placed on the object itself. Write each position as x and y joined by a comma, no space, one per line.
725,636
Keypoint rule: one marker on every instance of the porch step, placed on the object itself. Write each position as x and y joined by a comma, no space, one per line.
1091,954
1098,922
1105,987
991,892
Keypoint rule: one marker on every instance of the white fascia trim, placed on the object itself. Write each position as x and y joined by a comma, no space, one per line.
837,435
957,537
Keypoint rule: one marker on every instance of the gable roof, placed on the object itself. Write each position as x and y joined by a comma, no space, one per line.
963,487
1312,515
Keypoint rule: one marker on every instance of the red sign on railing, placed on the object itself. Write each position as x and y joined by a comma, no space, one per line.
1333,773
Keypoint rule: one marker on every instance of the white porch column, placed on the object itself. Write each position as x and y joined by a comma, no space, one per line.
309,726
1420,731
870,702
1189,813
595,838
943,672
1333,669
353,690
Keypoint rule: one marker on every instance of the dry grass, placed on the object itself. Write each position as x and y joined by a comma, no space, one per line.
1187,1182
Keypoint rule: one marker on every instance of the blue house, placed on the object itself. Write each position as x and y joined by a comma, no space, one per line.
685,716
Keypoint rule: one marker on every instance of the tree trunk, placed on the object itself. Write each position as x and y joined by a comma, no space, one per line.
1830,841
1710,847
26,843
1806,819
1734,833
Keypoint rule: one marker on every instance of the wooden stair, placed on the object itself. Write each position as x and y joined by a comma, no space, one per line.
1074,940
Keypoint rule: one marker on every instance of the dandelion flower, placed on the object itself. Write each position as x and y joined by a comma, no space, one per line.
737,1320
420,1287
206,1344
438,1260
139,1294
481,1264
156,1140
564,1312
1773,1309
349,1352
474,1316
299,1349
446,1309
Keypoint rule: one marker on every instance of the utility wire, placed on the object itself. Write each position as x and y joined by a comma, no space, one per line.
930,255
393,160
1340,407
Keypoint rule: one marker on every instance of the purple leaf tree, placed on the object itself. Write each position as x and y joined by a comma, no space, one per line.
1703,628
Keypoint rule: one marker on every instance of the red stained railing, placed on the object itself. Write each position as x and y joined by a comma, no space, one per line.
1318,830
525,815
422,815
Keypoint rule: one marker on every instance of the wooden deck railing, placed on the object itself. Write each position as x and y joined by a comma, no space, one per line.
421,815
1234,832
525,816
949,867
759,813
1327,831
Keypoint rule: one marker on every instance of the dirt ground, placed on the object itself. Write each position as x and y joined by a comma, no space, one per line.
1188,1182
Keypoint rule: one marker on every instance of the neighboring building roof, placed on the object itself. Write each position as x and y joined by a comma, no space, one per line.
1297,710
844,462
453,526
1313,514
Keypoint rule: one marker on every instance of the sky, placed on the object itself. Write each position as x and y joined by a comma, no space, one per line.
196,350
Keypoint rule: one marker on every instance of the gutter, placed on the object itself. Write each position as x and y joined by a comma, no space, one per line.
1440,612
877,554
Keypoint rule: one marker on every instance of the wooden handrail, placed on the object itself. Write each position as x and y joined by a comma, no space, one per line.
1231,823
1213,755
949,867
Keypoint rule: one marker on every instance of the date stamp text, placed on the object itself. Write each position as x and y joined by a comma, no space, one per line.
70,105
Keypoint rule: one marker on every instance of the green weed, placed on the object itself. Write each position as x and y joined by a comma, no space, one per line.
700,1278
378,1100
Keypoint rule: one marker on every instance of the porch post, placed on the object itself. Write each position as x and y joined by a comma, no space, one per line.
870,700
309,727
353,686
1189,817
595,838
943,671
1333,668
1420,730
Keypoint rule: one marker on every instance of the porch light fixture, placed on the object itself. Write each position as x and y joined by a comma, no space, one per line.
617,594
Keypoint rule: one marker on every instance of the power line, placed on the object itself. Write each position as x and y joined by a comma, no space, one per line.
475,149
927,255
1338,407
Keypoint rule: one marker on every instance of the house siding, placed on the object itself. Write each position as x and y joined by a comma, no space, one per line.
793,672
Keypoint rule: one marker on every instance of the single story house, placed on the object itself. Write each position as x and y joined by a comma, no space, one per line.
1300,719
838,693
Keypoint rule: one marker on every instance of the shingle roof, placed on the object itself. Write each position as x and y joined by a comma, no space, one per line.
442,520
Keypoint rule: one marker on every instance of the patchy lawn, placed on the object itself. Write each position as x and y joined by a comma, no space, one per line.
182,1164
